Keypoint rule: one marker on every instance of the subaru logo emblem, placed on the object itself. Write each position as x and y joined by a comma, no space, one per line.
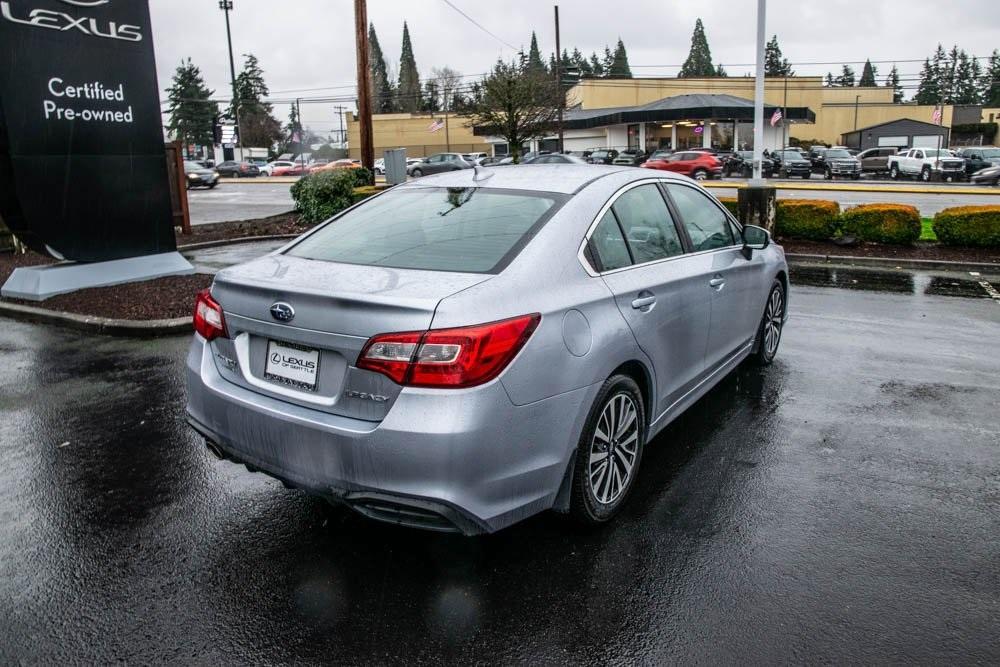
282,312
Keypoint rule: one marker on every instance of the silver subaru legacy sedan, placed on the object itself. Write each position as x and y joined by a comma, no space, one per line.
463,351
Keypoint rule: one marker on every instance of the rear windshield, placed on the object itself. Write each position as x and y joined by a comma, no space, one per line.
469,230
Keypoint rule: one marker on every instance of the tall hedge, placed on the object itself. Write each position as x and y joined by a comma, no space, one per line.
896,224
977,226
811,219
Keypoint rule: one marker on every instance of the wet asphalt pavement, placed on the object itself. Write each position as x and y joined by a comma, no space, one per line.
841,506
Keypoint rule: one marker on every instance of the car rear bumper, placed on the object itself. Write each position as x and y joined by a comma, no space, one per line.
459,460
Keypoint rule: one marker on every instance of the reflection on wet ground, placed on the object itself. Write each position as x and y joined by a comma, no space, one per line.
895,281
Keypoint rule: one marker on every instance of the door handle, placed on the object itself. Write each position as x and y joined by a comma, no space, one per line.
644,303
717,283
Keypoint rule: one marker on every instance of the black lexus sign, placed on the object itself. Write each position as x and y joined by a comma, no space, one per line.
82,168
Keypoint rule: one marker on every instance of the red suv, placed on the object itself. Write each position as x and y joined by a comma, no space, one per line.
698,165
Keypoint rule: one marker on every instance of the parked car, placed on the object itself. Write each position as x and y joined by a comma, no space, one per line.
438,163
295,169
473,158
409,361
698,165
233,169
876,160
268,169
789,163
198,176
603,156
927,164
987,176
740,164
207,164
555,158
660,154
580,154
379,166
632,157
490,160
832,162
334,165
978,158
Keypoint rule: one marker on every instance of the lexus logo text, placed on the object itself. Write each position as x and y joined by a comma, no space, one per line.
53,20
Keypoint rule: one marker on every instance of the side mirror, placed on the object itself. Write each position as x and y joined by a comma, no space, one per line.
754,238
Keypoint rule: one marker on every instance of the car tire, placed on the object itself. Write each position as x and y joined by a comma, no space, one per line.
700,175
417,173
765,346
925,174
595,496
894,172
855,177
212,186
828,175
807,176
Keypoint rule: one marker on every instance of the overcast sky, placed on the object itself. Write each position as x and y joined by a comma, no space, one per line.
306,47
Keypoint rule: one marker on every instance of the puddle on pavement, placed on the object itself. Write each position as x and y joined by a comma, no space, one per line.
898,282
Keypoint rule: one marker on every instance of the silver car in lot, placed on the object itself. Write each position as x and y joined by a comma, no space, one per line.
463,351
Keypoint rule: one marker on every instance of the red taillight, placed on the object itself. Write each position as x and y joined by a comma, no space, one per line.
209,321
461,357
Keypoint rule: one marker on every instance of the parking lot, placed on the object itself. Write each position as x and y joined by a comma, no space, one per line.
243,200
841,506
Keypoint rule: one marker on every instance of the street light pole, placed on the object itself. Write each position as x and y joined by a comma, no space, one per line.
226,6
758,102
559,84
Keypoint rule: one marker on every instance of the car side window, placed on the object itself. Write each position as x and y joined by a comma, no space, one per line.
704,221
648,226
608,244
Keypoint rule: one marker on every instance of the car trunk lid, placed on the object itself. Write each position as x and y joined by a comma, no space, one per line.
330,310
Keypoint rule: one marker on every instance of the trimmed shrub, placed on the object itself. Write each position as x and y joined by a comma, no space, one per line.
732,204
977,226
896,224
362,177
321,195
811,219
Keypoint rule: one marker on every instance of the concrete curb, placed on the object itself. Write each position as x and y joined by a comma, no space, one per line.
890,189
98,325
241,239
260,179
891,263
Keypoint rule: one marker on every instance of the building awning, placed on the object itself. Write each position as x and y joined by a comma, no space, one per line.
676,108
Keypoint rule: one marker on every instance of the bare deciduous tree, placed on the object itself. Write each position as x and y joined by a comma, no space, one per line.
516,104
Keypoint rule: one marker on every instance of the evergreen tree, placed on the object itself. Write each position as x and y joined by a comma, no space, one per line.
846,78
408,93
699,60
608,62
619,63
191,113
578,61
378,75
990,81
774,64
535,64
892,81
596,66
965,89
721,72
432,97
941,73
258,127
928,90
868,75
828,82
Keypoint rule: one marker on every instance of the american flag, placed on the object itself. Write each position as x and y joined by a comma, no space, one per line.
936,116
435,126
776,117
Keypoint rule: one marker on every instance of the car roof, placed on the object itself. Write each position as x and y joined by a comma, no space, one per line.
562,178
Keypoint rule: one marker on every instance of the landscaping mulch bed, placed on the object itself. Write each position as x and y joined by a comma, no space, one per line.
158,299
929,251
283,223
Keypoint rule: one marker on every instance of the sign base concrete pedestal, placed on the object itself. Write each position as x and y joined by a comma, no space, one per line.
37,283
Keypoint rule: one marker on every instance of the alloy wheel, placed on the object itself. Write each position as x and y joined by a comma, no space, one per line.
614,449
700,175
773,316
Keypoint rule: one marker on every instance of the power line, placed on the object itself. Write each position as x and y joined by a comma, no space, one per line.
479,25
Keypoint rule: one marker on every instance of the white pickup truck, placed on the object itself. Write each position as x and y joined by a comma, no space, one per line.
926,164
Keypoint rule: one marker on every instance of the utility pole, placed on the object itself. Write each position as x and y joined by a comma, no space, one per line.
857,98
559,84
340,115
364,91
226,6
298,121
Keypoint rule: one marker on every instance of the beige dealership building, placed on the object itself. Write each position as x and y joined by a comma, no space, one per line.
646,113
